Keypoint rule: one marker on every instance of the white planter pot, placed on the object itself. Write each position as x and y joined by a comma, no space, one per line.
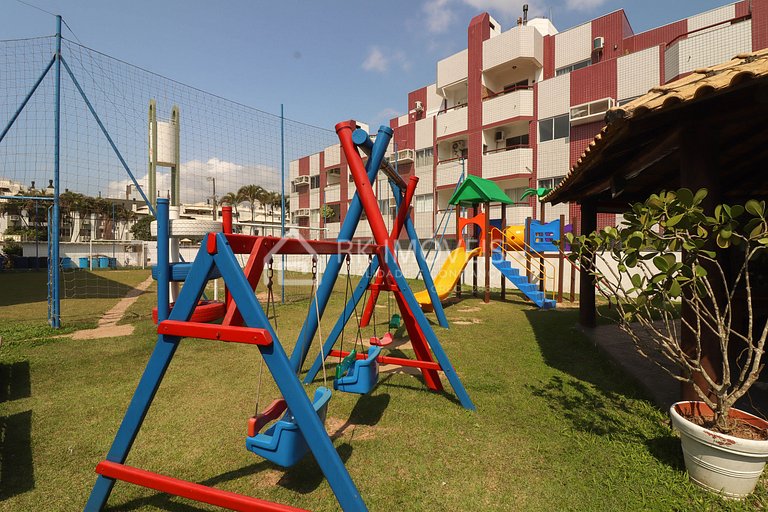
724,464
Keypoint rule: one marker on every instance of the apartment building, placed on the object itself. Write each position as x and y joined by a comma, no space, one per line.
519,106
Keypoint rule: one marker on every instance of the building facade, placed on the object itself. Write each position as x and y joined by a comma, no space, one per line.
519,107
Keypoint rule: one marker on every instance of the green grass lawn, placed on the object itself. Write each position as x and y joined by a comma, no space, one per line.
557,427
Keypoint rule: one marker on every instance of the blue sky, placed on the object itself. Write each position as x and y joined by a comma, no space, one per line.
325,60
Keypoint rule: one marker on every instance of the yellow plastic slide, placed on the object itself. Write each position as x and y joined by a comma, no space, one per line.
445,281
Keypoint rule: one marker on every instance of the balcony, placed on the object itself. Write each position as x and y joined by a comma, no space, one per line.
507,162
448,172
452,121
332,193
522,42
505,106
452,69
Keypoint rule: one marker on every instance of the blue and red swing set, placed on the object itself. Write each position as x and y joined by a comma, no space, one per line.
301,427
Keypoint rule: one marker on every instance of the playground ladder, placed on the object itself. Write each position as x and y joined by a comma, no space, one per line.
522,282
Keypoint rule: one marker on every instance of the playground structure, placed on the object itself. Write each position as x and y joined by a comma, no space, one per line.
530,247
301,428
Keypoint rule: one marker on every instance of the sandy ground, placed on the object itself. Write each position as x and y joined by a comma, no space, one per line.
107,327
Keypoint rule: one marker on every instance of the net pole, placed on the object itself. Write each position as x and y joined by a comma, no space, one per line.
282,197
56,302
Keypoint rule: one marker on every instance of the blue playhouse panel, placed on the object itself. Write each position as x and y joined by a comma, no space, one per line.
282,443
362,376
542,236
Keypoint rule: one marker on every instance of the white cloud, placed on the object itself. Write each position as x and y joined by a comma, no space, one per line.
383,117
376,60
439,15
497,7
577,5
196,188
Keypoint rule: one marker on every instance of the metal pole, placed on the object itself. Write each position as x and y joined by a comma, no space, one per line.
282,199
56,303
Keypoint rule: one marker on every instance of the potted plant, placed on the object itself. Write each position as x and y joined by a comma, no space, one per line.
672,268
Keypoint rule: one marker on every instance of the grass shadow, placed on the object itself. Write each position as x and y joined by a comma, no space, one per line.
16,466
15,381
610,415
306,476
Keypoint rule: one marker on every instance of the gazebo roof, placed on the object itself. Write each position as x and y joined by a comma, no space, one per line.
637,152
476,190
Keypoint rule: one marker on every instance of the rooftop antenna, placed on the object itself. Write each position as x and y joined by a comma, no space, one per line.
525,14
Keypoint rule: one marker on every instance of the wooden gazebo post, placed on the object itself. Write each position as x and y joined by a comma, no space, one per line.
587,307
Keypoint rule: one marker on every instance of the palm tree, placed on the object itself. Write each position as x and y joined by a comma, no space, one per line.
232,199
251,194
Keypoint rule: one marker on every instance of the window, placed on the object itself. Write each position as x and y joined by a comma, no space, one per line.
554,128
314,181
516,195
424,157
522,84
423,203
573,67
517,141
550,182
384,206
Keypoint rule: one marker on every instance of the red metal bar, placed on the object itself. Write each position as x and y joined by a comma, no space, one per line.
243,244
364,189
226,219
228,333
397,228
400,361
190,490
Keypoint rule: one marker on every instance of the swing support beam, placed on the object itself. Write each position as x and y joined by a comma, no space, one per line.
216,254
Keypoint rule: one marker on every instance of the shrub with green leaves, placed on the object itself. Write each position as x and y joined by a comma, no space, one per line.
668,249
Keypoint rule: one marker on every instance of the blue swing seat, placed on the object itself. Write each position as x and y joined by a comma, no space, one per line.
283,443
362,376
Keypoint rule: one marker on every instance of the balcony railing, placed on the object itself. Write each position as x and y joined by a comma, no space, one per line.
448,172
450,122
507,162
508,105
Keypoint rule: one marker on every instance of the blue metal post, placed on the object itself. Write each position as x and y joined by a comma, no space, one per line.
56,302
28,97
109,138
349,308
282,199
422,262
364,142
421,319
163,259
346,233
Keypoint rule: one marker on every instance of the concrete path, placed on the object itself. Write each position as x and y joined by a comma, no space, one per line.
662,387
107,326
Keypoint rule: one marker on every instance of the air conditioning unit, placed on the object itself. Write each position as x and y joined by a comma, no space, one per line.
302,212
499,136
403,156
14,217
301,180
419,106
458,145
598,43
336,171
